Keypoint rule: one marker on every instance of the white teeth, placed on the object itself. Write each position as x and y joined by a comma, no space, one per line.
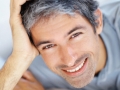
77,68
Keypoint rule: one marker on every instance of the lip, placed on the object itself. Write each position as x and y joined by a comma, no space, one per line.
76,73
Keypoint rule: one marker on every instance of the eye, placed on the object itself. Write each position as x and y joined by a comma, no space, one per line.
48,46
75,35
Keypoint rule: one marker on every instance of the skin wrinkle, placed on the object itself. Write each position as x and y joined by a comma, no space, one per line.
59,57
74,80
65,52
77,61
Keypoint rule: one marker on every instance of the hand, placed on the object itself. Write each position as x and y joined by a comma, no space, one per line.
28,82
23,53
21,43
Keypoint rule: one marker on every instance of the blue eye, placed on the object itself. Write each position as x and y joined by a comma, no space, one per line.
49,46
75,35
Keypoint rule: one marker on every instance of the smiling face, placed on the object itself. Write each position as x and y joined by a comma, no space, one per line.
69,47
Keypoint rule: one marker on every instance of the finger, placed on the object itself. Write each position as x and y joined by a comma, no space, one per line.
25,84
16,88
28,85
15,6
29,76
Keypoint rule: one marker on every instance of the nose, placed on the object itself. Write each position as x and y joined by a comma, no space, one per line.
68,56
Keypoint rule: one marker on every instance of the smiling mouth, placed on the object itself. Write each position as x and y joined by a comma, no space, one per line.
77,70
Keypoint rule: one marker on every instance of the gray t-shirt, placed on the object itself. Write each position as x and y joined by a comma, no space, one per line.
109,77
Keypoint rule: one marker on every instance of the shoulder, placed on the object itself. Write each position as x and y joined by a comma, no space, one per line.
111,10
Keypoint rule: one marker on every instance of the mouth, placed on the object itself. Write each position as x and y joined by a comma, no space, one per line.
77,70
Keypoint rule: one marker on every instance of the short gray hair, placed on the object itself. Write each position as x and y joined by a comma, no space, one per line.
34,10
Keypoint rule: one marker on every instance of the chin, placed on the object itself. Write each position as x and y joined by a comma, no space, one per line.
82,80
80,83
82,77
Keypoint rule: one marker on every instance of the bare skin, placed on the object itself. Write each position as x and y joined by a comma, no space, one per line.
28,82
23,51
70,47
67,52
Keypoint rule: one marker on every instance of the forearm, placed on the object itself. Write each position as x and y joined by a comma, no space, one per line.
13,70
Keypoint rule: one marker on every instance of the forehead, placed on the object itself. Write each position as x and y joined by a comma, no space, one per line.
58,25
58,21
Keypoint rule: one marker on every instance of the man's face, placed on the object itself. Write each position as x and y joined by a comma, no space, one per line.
69,47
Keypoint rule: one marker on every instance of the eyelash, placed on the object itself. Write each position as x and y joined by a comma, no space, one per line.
75,35
52,45
48,46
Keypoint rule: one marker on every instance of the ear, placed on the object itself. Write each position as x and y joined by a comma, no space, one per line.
99,20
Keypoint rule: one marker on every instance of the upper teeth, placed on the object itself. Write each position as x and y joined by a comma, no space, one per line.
77,68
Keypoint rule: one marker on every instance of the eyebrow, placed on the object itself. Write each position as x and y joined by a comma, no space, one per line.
74,29
42,42
71,31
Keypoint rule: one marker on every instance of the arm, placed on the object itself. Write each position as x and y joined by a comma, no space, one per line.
28,82
13,70
23,51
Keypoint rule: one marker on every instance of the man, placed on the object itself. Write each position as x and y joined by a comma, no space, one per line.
67,34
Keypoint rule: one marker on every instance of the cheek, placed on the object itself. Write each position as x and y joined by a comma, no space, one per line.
88,44
50,60
91,45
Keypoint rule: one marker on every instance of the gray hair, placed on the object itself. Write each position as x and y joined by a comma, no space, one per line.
34,10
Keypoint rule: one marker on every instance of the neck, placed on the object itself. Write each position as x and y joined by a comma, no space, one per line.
102,56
